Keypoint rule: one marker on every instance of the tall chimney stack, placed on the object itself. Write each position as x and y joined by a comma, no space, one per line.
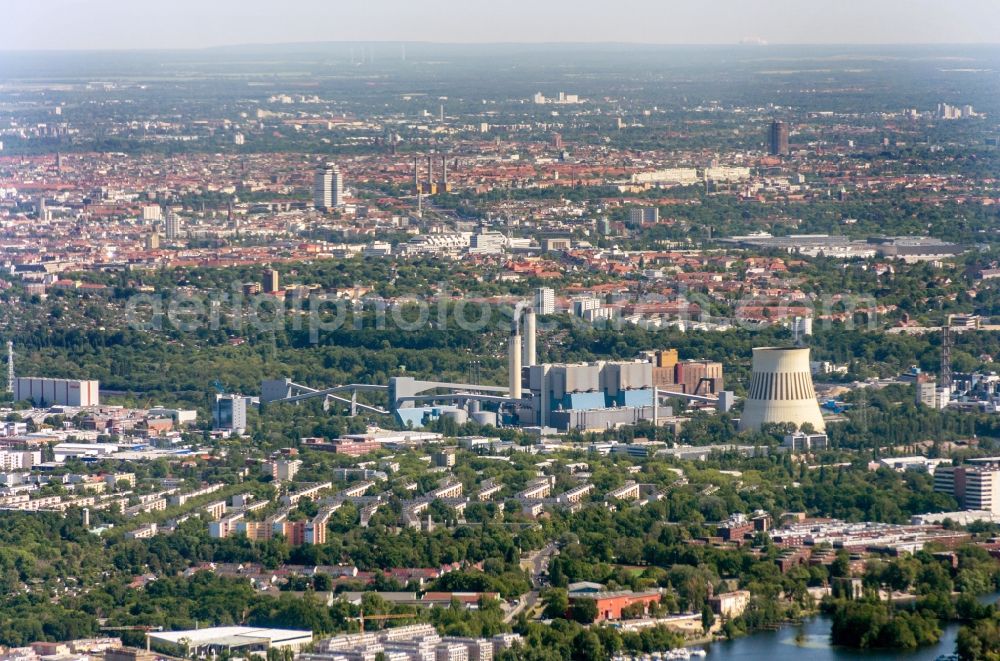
529,358
514,361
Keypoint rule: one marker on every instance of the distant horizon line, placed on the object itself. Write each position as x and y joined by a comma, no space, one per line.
749,43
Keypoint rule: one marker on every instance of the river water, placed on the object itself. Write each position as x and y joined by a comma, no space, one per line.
810,641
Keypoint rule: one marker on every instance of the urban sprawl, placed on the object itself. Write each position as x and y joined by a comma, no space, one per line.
353,354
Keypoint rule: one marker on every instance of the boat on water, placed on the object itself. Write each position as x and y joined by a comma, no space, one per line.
685,653
679,654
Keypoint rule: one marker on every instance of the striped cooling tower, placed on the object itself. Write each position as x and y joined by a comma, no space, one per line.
781,390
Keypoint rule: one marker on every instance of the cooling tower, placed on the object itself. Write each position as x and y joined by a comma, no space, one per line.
781,390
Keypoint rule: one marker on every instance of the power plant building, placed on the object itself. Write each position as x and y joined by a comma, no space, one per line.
595,395
63,392
565,396
582,396
781,390
431,186
691,377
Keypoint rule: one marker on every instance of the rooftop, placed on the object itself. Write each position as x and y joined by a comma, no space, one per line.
232,636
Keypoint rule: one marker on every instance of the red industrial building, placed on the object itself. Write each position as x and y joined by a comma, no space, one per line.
611,604
694,377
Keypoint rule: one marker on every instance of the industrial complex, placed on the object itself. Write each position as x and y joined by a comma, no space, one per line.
549,397
558,396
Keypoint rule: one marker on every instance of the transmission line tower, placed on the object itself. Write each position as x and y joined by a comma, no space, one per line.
862,408
945,356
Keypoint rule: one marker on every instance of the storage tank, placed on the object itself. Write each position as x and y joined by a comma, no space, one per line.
485,417
781,390
460,416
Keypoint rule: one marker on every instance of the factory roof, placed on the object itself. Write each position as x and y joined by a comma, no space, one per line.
615,594
232,636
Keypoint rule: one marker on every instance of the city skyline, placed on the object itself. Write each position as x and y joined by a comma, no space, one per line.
528,331
114,24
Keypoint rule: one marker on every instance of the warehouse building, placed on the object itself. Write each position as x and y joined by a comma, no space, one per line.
245,640
64,392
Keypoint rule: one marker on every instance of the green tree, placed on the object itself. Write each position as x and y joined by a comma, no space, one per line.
587,646
707,618
584,611
556,602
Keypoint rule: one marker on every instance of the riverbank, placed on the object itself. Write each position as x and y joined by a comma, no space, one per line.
715,636
810,639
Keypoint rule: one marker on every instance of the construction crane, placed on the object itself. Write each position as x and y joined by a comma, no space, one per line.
394,616
135,627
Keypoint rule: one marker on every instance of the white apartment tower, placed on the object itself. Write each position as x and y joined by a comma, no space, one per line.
173,225
982,489
152,213
975,484
328,187
545,301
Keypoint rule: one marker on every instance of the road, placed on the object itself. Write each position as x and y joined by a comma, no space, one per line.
537,563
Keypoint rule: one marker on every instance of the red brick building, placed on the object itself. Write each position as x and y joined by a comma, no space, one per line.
611,604
343,446
735,531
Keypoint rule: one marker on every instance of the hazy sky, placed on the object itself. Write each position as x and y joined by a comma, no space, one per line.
71,24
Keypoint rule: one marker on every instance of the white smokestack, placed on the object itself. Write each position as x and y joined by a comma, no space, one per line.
529,357
514,362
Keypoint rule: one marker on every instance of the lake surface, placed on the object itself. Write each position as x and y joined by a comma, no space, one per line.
810,641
